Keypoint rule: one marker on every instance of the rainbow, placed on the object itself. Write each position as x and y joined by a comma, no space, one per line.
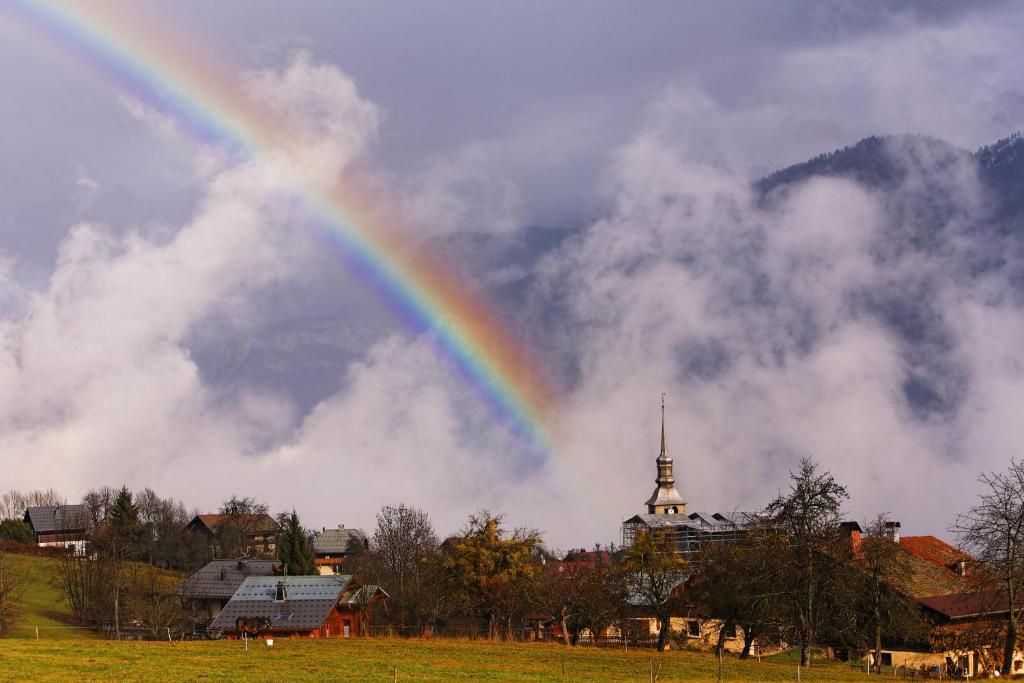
145,58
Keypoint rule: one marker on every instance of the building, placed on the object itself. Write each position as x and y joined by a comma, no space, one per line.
256,535
207,591
331,547
298,607
962,610
666,513
59,526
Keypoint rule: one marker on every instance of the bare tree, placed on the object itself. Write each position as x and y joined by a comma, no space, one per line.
875,588
403,558
809,514
13,504
993,531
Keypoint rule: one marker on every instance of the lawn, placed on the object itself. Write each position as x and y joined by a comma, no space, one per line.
374,660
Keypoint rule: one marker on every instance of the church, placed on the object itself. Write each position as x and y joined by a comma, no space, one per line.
666,513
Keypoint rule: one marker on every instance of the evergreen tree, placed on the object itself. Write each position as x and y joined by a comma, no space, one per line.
293,548
126,533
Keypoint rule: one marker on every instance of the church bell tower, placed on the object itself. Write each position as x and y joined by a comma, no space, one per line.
666,499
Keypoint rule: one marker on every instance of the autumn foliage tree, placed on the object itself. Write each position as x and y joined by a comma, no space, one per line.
490,570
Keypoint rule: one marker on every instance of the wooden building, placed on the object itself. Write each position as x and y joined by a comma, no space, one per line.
331,547
259,532
298,607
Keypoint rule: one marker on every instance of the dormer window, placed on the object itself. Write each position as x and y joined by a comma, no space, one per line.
280,594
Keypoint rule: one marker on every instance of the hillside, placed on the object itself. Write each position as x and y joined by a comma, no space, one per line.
42,604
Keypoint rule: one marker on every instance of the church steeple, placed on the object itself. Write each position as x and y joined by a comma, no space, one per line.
666,499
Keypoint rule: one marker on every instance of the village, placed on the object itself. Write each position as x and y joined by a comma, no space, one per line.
795,576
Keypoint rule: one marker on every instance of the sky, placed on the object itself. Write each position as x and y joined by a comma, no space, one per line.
166,321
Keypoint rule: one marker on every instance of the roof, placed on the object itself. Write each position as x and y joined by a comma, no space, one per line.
934,550
339,541
363,594
253,524
961,605
701,521
47,518
308,601
221,578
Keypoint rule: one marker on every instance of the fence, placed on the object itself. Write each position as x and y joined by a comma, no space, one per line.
126,632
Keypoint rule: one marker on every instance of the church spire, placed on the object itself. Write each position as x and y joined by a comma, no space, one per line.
665,499
664,443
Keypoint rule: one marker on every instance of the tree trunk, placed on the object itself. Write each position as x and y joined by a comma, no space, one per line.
565,630
1010,643
748,640
117,610
878,647
663,633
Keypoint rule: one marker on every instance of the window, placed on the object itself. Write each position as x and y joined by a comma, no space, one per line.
886,659
693,628
730,631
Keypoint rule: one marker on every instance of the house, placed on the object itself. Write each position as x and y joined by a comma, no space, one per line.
962,610
209,589
298,607
254,534
331,547
59,526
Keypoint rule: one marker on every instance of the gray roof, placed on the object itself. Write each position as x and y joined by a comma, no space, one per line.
700,521
221,578
308,601
635,597
339,541
47,518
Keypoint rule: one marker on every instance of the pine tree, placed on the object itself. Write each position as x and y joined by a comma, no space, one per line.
294,549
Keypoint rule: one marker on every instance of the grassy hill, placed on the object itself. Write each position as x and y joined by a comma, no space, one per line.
377,659
42,604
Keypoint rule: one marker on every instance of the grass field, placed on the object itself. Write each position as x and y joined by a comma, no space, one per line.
374,660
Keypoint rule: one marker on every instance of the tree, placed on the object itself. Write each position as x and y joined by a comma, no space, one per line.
293,547
97,504
741,582
490,569
653,571
403,559
881,570
12,585
16,530
242,517
809,515
993,531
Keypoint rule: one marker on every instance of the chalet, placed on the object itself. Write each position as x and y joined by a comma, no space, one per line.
331,547
298,607
259,531
59,526
207,591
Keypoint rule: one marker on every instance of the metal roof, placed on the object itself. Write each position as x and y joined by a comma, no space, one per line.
221,578
700,521
308,601
45,518
339,541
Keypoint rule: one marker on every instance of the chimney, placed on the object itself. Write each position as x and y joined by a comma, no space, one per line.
851,531
892,530
341,526
281,593
961,567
